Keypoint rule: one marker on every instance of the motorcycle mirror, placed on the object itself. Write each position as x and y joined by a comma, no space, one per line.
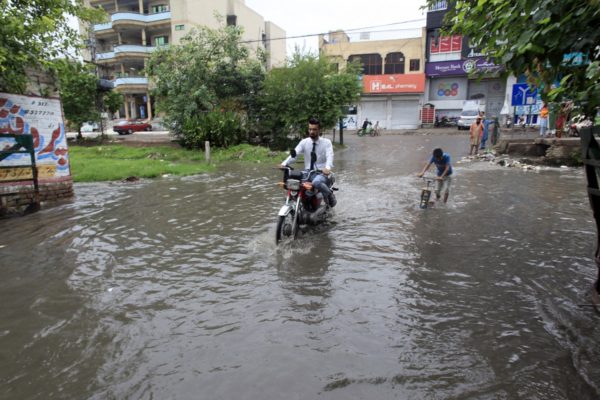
293,153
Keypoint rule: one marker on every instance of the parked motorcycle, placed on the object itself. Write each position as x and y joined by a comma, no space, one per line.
304,205
445,121
578,122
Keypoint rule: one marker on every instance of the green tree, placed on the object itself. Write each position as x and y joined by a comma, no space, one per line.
207,82
35,32
308,86
78,92
113,101
538,39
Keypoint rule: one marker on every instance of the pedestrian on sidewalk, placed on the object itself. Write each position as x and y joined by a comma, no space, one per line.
543,119
486,130
495,131
475,133
563,117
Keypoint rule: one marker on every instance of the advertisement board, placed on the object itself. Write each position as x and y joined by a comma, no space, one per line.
461,67
42,119
452,88
394,83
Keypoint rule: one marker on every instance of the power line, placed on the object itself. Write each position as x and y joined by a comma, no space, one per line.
345,31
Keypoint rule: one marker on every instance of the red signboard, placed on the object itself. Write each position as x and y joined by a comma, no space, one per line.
395,83
456,43
446,44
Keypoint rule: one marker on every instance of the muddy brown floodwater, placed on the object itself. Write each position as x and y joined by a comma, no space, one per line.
174,289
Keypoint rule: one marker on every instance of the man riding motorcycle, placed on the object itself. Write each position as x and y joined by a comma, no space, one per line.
324,160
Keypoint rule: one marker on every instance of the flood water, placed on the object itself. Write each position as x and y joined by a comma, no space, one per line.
174,289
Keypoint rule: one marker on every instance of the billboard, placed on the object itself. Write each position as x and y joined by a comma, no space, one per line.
42,119
462,67
451,88
394,83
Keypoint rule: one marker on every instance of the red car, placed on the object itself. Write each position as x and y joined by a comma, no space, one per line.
124,127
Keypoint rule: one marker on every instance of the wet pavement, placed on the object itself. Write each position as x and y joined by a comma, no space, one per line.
174,288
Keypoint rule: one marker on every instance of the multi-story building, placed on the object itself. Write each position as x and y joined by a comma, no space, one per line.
457,71
392,76
121,47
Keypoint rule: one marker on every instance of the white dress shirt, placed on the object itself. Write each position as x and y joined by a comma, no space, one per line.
324,150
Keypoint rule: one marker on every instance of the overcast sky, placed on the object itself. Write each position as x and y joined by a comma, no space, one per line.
304,17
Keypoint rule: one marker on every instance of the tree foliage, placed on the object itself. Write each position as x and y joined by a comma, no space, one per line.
538,38
209,76
307,87
78,92
113,101
35,32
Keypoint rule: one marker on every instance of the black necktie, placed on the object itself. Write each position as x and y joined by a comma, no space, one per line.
312,161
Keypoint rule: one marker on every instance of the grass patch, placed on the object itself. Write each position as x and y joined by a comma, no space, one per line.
113,162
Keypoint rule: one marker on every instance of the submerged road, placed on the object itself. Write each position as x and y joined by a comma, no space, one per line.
174,289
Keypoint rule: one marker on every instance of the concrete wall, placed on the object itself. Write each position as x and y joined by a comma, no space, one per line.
276,49
339,50
190,14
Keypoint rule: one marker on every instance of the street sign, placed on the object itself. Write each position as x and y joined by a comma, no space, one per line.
523,95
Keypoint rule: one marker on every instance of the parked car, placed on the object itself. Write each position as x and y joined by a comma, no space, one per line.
467,117
90,127
125,127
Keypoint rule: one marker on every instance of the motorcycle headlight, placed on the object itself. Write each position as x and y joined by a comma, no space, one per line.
293,184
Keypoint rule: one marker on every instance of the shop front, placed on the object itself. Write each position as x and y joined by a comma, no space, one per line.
392,100
449,85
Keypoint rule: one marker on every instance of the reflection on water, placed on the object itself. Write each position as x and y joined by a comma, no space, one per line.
174,288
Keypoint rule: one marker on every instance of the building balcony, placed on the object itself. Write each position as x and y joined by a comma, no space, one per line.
132,84
124,51
125,19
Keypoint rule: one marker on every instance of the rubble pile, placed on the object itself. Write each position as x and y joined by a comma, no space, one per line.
501,160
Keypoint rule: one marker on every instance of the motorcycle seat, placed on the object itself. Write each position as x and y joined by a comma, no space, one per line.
295,175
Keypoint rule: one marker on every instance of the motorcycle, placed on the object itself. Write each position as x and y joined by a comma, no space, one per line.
578,122
445,122
304,205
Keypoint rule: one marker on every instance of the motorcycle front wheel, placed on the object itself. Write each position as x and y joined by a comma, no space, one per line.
286,227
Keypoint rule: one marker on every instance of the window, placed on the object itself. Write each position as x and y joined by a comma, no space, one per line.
415,64
161,40
160,8
231,20
394,63
179,27
371,63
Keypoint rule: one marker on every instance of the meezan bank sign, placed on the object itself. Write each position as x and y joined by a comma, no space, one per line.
394,83
462,67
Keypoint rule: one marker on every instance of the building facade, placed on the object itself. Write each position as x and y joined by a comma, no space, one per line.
393,77
121,47
456,71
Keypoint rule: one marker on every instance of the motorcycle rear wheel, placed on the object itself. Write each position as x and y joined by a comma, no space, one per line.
282,221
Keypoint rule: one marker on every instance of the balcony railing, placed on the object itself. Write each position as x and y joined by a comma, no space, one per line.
140,81
438,6
125,48
129,16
